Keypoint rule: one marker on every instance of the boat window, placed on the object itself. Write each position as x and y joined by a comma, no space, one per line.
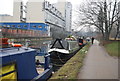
13,25
8,25
45,27
39,26
19,25
34,26
4,25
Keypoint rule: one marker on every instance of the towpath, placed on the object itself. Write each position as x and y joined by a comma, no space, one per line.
98,64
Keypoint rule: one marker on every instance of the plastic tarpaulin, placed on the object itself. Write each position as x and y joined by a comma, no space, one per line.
8,72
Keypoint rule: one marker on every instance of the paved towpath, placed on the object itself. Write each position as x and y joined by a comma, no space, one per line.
98,64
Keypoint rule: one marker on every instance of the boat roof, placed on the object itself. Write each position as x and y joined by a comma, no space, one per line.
14,51
59,50
59,43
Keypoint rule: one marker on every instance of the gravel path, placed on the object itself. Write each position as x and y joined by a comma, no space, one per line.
98,64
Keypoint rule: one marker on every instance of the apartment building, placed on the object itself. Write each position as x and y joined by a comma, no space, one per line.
68,16
66,9
56,16
17,13
40,11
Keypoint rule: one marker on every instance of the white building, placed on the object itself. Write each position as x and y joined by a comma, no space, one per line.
57,16
6,18
35,11
17,13
66,9
68,16
40,11
61,5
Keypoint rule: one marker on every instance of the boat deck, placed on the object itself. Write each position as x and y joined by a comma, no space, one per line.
13,51
40,70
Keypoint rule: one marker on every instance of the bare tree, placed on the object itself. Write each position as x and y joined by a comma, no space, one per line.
118,22
102,15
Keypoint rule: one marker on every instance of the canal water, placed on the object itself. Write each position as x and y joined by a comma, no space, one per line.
45,45
42,46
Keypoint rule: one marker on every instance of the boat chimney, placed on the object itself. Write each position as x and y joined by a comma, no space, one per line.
27,44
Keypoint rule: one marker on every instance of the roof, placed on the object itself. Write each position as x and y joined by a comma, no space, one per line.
14,51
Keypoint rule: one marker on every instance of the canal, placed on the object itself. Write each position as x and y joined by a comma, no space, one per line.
42,45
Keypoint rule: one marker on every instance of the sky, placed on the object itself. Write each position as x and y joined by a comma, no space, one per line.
6,6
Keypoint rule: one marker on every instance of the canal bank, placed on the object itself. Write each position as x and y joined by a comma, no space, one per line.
71,68
99,65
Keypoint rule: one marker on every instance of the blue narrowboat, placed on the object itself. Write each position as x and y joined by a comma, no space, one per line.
19,63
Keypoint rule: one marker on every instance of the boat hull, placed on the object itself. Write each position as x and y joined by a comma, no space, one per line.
58,59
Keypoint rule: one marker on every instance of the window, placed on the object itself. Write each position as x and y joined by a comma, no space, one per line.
13,25
34,26
39,26
45,27
8,25
19,25
25,25
4,25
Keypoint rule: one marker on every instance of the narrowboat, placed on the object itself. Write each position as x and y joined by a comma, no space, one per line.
61,51
19,63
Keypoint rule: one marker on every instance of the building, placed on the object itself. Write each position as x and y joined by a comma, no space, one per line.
41,11
17,13
66,9
119,8
68,16
56,16
6,18
35,11
61,5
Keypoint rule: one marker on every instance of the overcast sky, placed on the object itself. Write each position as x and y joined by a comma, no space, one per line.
6,6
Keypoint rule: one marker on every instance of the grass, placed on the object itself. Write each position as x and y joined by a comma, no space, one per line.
73,49
71,69
113,48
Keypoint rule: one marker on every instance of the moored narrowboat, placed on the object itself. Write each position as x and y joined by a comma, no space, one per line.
61,51
19,63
